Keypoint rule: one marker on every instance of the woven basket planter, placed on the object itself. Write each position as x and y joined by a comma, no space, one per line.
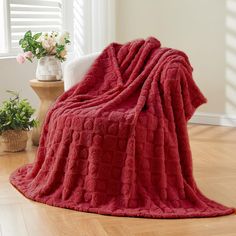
14,140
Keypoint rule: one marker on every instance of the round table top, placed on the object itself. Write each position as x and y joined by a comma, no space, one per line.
47,84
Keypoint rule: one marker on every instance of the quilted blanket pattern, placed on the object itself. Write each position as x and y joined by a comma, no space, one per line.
117,142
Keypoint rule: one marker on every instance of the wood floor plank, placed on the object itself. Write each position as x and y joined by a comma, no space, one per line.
117,229
214,162
12,221
90,227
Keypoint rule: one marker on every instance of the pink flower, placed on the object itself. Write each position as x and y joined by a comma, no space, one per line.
28,54
20,58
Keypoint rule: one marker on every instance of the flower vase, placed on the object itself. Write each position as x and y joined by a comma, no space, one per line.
49,69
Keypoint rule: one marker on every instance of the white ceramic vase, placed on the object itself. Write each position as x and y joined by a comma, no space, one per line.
49,69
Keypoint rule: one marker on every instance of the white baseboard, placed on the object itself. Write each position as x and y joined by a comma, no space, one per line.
214,119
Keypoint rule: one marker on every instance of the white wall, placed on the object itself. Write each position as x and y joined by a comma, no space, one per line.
16,77
199,28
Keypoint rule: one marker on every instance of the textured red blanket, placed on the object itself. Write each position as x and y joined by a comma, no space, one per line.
117,142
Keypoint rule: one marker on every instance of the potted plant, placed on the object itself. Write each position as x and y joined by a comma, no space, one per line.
15,121
49,48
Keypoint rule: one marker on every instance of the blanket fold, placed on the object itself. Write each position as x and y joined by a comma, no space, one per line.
117,142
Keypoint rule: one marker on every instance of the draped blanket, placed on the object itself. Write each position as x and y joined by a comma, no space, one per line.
117,142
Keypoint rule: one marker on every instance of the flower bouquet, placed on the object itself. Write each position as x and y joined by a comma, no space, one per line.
49,48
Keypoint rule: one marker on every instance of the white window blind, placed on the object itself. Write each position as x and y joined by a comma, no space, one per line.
34,15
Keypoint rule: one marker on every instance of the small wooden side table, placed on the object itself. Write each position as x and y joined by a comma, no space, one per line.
48,92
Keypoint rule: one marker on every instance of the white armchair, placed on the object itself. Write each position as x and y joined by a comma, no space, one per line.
76,69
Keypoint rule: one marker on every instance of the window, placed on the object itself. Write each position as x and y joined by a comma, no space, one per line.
18,16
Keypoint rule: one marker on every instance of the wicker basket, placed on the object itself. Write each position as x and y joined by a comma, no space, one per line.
14,140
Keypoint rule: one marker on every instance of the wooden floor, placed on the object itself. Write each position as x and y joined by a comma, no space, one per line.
214,156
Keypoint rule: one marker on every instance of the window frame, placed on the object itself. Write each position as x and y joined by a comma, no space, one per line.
11,52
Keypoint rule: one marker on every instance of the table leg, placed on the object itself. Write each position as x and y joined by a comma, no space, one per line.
48,92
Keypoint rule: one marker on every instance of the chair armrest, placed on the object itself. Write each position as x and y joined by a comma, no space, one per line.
76,69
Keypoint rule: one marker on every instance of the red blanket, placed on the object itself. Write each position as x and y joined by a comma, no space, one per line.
117,142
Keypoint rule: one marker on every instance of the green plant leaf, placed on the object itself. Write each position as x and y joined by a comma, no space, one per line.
36,36
16,113
20,42
29,59
28,33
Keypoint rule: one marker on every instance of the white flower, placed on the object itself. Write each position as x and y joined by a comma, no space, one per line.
49,44
62,37
54,34
45,44
37,51
66,35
